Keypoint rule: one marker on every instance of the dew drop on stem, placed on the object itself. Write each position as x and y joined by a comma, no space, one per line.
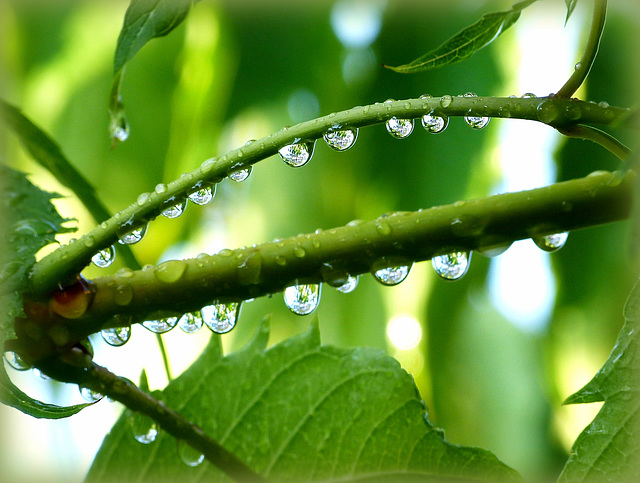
241,175
302,299
297,154
434,124
445,101
399,128
221,318
191,322
188,455
170,271
175,211
104,257
143,428
475,122
90,395
392,275
341,139
349,286
203,195
15,361
117,336
453,265
160,326
134,236
551,243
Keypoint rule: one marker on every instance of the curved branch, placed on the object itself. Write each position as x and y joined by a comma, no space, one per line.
101,380
590,51
65,262
602,138
180,286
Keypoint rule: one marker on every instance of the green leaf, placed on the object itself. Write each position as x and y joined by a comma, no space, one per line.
608,450
466,42
571,5
143,21
29,222
299,411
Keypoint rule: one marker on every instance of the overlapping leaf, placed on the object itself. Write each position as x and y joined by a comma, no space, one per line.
466,42
29,222
608,450
300,412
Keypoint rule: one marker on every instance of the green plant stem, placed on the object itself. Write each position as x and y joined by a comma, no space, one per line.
590,51
101,380
165,357
67,261
180,286
602,138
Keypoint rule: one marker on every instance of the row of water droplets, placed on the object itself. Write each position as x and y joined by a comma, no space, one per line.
203,195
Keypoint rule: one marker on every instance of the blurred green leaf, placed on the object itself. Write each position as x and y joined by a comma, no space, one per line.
31,223
609,448
143,21
300,412
466,42
571,5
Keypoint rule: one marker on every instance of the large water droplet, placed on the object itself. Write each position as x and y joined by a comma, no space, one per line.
204,195
392,275
191,322
349,286
89,395
341,139
134,236
434,124
241,175
551,243
160,326
451,266
117,336
476,122
399,128
15,361
175,211
297,154
123,294
104,257
170,271
445,101
302,299
189,455
221,318
143,428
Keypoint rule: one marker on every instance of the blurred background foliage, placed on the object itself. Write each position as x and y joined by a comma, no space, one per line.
239,70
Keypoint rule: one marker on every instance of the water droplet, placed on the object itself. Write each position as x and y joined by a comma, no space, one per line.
89,395
573,112
299,252
445,101
528,95
189,455
493,251
144,429
89,241
547,111
475,122
341,139
191,322
125,272
104,257
392,275
240,176
123,294
451,266
280,260
551,243
577,66
297,154
399,128
175,211
160,326
434,124
383,227
15,361
250,269
170,271
221,318
349,286
142,199
133,236
161,188
302,299
603,104
203,195
117,336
